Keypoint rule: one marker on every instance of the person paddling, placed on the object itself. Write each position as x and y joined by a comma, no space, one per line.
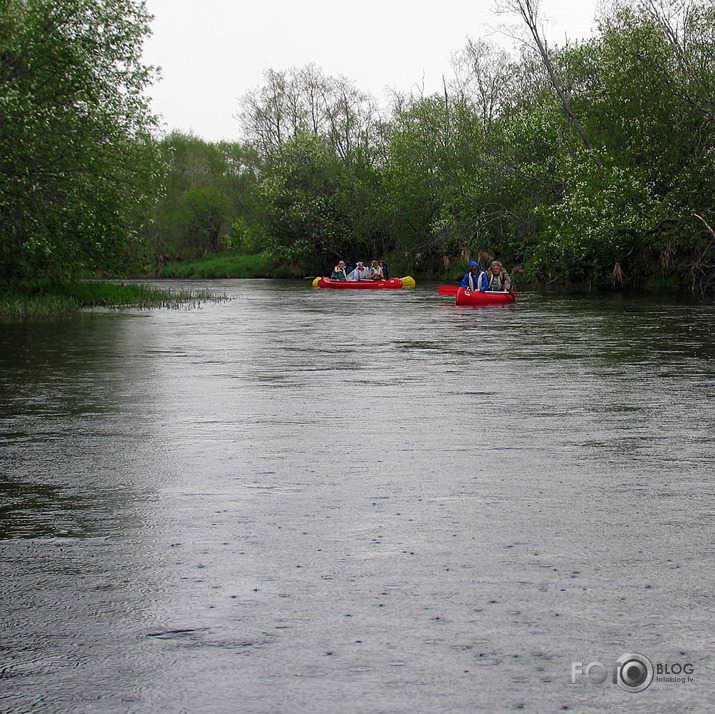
476,279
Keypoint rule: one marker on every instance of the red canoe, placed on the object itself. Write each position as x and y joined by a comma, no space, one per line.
391,284
470,297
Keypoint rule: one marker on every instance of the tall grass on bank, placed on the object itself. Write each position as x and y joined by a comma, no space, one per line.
228,264
37,308
44,302
106,294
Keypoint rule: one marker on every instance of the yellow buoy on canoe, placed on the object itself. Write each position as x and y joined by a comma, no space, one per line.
408,282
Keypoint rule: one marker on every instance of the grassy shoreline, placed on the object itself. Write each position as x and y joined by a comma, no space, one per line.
229,264
233,264
45,301
41,301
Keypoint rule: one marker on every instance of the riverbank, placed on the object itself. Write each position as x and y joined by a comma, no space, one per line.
233,264
229,264
44,301
41,301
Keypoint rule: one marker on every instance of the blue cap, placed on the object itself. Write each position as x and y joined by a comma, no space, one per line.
473,264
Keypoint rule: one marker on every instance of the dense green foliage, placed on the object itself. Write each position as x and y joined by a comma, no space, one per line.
77,161
591,162
207,190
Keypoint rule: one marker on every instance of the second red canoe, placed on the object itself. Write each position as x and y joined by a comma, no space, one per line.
475,297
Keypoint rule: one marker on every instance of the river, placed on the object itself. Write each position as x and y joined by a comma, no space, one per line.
303,501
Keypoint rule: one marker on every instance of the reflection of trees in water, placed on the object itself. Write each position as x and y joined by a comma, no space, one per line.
70,440
32,510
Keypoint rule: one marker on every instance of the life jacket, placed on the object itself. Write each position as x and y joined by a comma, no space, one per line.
496,282
359,274
472,283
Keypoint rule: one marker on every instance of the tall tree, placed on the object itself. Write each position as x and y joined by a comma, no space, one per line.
528,11
687,26
304,101
302,194
485,78
78,162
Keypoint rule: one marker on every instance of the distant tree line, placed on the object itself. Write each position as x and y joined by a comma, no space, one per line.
590,162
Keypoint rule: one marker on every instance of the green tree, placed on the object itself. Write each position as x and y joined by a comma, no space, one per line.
208,187
418,170
600,228
528,11
78,162
302,194
319,193
647,102
207,208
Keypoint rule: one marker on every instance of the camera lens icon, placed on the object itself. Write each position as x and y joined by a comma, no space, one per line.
634,672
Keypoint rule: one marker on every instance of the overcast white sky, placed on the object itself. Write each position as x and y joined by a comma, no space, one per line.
212,52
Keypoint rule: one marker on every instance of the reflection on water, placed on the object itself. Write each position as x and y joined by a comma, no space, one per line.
29,510
298,499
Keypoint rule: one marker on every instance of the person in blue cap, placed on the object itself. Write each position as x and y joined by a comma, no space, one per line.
476,279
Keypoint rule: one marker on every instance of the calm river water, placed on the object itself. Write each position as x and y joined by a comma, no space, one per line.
307,501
